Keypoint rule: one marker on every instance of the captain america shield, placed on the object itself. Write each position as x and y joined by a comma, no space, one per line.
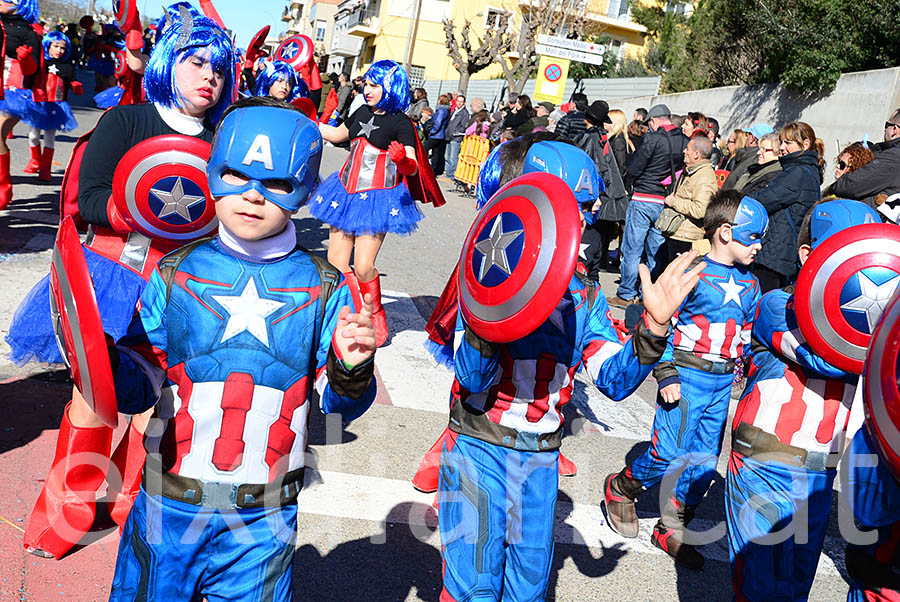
519,257
843,289
77,324
297,51
121,65
126,13
881,397
254,50
160,188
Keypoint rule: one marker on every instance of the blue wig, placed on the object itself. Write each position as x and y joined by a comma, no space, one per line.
189,34
28,10
392,79
56,36
271,72
488,178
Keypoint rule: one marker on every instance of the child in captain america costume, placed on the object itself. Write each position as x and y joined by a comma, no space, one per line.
231,336
193,57
498,469
695,377
373,193
280,81
788,433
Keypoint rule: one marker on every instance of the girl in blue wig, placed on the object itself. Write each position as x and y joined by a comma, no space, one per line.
45,108
22,43
189,83
369,196
280,81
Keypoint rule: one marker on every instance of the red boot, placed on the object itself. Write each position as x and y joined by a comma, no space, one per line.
353,285
426,477
379,319
35,162
5,182
125,469
64,511
46,164
566,466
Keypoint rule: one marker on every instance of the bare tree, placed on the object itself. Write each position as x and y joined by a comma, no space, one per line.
69,11
552,17
496,40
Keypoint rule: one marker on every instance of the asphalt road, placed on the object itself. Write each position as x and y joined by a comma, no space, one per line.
364,532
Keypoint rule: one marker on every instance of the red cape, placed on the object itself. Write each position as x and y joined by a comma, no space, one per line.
422,185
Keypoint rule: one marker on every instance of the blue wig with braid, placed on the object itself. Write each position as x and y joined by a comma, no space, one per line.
272,72
394,83
56,36
28,10
187,35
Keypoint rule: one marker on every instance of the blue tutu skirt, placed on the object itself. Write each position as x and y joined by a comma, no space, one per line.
109,97
102,66
31,336
42,115
369,212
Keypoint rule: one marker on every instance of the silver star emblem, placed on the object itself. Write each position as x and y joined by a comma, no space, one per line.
177,201
53,69
334,204
319,198
368,128
247,312
872,299
494,248
732,291
582,247
395,212
364,195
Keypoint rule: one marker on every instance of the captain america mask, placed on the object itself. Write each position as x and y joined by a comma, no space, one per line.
750,222
573,165
275,151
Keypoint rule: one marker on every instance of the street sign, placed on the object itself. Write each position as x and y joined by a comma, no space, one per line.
551,79
578,45
569,54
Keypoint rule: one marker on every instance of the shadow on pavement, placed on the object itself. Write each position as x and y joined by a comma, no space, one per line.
31,406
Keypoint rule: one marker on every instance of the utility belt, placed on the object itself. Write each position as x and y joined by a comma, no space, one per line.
751,441
228,496
478,425
687,359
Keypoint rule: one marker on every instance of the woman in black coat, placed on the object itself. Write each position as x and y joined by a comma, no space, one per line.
787,199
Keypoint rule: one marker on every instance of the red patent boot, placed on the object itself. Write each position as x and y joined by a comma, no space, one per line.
46,164
379,319
426,477
127,464
353,285
65,509
35,162
5,182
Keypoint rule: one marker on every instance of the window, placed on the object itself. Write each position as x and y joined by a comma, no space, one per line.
321,27
416,76
617,8
492,18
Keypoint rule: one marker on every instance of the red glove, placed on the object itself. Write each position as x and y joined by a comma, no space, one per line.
77,88
26,61
134,40
405,165
115,219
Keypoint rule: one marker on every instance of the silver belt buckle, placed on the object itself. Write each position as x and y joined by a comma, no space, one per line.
219,496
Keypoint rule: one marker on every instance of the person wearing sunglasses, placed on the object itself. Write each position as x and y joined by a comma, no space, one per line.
879,176
766,169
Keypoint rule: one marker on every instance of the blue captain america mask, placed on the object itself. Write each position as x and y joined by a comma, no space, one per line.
831,217
572,165
750,222
275,151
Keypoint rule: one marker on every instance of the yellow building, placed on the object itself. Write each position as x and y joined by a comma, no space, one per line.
370,30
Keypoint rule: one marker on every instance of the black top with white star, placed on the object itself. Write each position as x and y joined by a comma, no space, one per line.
61,68
381,130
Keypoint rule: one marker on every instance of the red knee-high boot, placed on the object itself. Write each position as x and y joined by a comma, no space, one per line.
125,469
5,182
46,164
353,285
379,319
65,509
35,162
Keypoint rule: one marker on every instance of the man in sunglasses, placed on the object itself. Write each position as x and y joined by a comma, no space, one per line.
880,176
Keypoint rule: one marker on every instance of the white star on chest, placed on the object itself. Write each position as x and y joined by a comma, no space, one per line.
872,299
367,128
247,312
53,69
732,291
494,248
176,201
582,247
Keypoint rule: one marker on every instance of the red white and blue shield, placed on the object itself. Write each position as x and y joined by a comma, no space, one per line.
77,324
121,65
297,51
254,50
519,257
126,13
160,188
881,396
843,289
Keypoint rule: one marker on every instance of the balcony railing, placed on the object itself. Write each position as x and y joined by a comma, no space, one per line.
362,18
344,45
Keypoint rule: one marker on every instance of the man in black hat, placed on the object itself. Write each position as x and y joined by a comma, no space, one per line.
660,157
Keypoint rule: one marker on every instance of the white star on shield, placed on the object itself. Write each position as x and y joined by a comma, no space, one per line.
872,299
247,312
494,248
732,291
368,127
176,201
290,51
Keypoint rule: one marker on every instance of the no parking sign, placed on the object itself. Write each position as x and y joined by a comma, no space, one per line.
551,79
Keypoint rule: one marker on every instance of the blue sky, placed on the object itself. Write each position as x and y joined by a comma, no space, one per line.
243,17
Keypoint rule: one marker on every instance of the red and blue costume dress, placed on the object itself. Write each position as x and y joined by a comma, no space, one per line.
228,347
713,327
788,434
45,106
368,194
128,89
498,475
